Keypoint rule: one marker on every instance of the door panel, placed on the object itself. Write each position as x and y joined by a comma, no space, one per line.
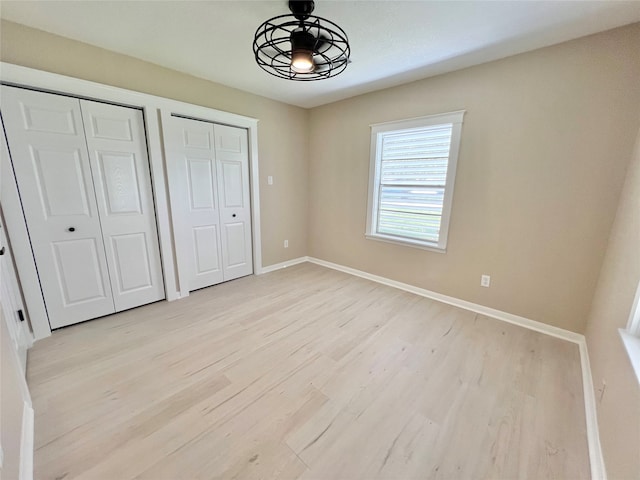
77,265
232,193
190,147
56,117
206,244
131,273
49,156
59,178
118,155
232,155
196,134
119,182
110,128
235,235
200,183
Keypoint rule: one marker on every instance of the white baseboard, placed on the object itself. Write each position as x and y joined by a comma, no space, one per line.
278,266
595,450
596,459
27,443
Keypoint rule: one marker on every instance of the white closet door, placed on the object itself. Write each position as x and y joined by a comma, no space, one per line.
49,155
190,149
232,158
120,166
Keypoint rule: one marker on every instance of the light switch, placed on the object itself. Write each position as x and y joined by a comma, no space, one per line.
270,180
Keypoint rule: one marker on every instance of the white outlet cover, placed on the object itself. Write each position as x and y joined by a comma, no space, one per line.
270,180
485,280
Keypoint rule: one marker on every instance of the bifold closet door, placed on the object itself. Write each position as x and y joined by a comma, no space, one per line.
83,176
210,174
122,181
190,149
49,154
232,160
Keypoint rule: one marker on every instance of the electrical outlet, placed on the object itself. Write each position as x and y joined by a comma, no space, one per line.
286,244
269,180
485,281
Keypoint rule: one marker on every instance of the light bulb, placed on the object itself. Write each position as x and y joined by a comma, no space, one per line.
302,61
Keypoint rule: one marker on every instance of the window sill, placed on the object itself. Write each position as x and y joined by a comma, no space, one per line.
406,243
632,344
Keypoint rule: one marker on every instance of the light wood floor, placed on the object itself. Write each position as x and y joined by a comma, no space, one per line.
306,373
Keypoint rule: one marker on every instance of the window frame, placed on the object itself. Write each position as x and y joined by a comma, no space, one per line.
377,130
631,335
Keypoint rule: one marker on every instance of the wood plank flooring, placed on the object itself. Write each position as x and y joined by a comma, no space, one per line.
306,373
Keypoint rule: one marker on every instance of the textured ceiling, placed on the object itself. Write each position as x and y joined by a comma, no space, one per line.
392,42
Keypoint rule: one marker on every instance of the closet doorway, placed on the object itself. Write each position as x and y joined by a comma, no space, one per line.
209,165
82,172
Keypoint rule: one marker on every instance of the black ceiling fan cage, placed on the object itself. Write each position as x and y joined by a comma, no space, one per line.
273,47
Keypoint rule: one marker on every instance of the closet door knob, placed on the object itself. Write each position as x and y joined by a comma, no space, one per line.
71,229
234,215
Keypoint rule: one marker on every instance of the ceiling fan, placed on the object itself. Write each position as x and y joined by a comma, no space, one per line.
300,46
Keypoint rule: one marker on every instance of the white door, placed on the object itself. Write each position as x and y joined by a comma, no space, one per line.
210,177
120,166
12,304
190,150
49,154
232,158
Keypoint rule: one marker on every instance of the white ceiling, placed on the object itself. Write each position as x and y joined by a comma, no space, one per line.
392,42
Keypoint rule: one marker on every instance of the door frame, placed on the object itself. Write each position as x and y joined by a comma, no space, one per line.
153,108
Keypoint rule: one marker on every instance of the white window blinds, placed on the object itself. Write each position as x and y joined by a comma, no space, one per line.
413,176
409,199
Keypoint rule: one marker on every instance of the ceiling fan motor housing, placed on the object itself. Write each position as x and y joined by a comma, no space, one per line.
302,40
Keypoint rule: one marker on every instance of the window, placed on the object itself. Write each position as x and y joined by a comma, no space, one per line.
411,177
631,336
633,327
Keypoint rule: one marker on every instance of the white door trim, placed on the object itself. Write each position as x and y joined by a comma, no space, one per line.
153,107
27,442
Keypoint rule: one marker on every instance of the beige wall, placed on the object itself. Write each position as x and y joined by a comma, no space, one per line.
619,404
545,144
282,137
